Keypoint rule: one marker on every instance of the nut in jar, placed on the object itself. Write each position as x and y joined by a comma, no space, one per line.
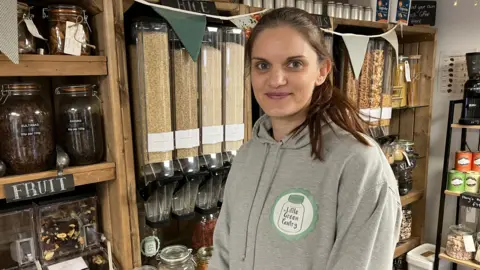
457,239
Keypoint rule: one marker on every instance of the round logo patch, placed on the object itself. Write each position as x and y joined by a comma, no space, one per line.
294,214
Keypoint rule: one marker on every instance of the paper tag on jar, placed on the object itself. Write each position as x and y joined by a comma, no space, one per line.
212,135
234,133
469,244
160,142
32,28
470,215
73,264
185,139
74,36
407,72
409,163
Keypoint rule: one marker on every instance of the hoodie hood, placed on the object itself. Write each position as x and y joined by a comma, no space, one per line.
261,133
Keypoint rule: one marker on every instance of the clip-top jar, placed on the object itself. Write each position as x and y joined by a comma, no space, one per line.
176,257
26,129
26,42
79,123
455,242
58,16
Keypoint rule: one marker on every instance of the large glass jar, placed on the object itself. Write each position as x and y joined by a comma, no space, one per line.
58,16
203,231
26,42
406,227
400,84
79,123
203,257
455,242
408,147
26,129
176,257
413,91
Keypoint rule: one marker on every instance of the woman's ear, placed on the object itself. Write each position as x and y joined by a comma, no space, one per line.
325,67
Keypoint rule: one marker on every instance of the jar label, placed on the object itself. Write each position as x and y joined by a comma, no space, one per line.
74,37
469,244
32,28
294,214
76,125
150,246
31,129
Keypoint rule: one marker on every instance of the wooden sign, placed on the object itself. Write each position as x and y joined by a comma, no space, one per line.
205,7
39,188
323,21
423,13
470,200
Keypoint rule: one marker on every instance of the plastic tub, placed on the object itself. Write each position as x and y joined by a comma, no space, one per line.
422,257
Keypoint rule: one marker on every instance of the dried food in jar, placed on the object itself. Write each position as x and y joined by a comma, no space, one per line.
406,227
203,231
203,257
58,16
26,41
455,242
97,259
26,129
365,81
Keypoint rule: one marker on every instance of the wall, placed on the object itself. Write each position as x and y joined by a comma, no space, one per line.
458,30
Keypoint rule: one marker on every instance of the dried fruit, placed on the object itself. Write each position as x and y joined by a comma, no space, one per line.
62,236
48,255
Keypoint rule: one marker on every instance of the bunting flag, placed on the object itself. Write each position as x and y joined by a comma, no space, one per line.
9,30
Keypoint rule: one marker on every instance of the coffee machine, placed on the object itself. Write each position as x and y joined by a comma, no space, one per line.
471,93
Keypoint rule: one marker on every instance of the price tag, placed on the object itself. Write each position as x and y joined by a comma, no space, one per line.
407,72
386,113
32,28
471,215
187,138
73,264
160,142
212,135
74,36
469,244
234,133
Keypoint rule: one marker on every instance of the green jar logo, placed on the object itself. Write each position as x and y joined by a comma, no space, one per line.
294,214
471,181
457,182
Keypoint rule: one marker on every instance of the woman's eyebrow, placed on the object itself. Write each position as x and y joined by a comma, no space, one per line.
288,58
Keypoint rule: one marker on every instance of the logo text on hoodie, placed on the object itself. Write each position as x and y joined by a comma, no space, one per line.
294,214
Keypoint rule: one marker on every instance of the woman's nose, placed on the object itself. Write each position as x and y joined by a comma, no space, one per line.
277,78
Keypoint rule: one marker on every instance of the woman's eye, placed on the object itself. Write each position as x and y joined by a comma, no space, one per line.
295,64
262,66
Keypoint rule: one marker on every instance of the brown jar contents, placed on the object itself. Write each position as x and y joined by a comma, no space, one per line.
58,15
26,129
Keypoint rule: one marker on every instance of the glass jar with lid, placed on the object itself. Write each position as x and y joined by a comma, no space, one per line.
203,257
26,42
406,227
176,257
79,123
455,242
400,84
318,7
26,129
301,4
408,147
58,17
203,230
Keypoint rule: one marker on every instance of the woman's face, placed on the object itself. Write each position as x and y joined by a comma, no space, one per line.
284,72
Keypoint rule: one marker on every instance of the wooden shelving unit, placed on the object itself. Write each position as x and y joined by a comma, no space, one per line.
412,196
464,126
82,175
406,246
469,264
54,65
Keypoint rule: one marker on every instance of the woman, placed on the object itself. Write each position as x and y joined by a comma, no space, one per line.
310,190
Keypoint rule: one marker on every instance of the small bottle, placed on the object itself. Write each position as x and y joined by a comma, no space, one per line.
318,7
309,6
346,11
300,4
279,3
331,9
290,3
354,12
339,10
368,14
361,14
268,4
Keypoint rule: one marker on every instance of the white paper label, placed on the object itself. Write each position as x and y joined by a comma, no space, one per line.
469,244
212,135
365,114
386,113
32,28
407,72
234,133
160,142
187,138
73,264
471,215
74,35
375,114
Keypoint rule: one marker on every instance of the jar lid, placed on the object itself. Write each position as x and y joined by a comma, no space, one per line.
204,253
175,254
368,8
75,88
339,4
65,9
461,229
21,86
405,142
346,4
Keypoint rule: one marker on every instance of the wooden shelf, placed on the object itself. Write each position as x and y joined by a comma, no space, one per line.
54,65
452,193
412,196
469,264
410,107
406,246
464,126
82,175
407,30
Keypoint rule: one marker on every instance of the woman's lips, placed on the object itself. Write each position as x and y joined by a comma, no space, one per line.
277,95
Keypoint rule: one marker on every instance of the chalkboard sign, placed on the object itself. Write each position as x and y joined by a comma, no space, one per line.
470,200
205,7
38,188
323,21
423,13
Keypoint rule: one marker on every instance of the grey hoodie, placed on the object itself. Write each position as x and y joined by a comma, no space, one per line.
284,210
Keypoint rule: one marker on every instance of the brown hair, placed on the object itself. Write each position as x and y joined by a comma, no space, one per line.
328,103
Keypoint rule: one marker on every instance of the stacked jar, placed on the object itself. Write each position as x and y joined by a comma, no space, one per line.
455,242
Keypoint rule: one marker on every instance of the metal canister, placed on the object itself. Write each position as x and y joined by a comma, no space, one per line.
456,181
268,4
368,15
346,11
354,12
331,9
463,161
338,10
300,4
203,257
471,181
309,6
279,3
290,3
361,13
258,3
